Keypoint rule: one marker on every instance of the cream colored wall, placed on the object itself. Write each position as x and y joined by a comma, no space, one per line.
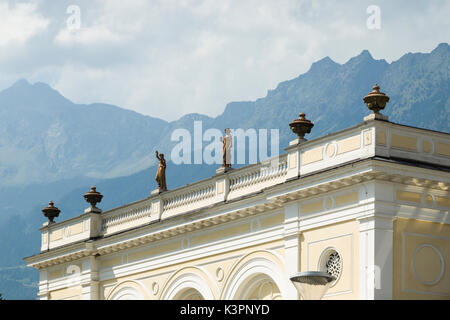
421,260
344,237
421,256
218,268
214,270
72,293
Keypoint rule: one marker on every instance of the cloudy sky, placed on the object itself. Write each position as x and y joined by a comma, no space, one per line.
168,58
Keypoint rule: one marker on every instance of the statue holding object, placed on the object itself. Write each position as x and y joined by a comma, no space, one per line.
161,173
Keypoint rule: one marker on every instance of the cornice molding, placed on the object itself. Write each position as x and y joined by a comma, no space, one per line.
268,199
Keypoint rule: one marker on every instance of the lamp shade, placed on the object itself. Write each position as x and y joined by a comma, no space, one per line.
312,285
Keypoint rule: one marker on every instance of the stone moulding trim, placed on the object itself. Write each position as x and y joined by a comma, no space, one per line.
441,258
272,202
404,264
61,259
251,264
199,276
118,287
411,142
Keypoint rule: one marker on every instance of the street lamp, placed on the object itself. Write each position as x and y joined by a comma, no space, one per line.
312,285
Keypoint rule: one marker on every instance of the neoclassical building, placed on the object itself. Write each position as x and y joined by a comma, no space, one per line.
368,204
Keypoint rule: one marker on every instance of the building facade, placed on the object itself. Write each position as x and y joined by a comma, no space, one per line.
369,205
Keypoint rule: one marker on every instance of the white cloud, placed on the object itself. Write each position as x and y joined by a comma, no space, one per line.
166,58
95,35
19,23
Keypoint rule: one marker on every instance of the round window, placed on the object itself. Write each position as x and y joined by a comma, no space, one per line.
331,262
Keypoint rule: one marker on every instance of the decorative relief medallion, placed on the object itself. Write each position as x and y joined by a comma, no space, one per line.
155,288
185,243
428,264
426,146
330,150
328,203
219,274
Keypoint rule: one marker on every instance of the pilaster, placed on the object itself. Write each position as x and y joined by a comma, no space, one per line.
376,257
90,279
291,247
43,292
45,236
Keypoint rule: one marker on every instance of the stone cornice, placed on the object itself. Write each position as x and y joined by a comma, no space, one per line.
269,198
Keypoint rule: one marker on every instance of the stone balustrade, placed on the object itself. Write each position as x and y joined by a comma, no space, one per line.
370,139
256,177
188,198
122,218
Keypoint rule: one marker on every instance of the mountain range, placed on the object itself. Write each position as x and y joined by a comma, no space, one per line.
54,149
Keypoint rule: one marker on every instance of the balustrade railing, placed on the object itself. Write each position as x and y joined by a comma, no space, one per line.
126,217
380,138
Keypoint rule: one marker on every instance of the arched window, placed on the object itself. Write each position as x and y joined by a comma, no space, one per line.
188,294
127,293
258,276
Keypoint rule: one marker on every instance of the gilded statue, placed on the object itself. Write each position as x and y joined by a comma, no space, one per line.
161,173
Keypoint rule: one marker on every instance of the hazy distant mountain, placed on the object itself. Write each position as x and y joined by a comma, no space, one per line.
331,95
44,137
53,149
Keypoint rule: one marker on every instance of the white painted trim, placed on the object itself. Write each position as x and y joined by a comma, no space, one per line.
180,281
429,283
247,270
193,253
127,290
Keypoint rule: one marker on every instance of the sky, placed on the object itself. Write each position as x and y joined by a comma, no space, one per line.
169,58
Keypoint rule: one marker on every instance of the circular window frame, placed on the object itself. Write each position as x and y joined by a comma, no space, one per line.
324,256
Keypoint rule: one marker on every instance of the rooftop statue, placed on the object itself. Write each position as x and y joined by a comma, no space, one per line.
226,148
161,173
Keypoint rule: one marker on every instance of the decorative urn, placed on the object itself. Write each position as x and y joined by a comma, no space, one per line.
376,100
93,197
301,126
51,212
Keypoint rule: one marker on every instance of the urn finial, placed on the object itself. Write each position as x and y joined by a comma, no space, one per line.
51,212
301,126
93,197
376,100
